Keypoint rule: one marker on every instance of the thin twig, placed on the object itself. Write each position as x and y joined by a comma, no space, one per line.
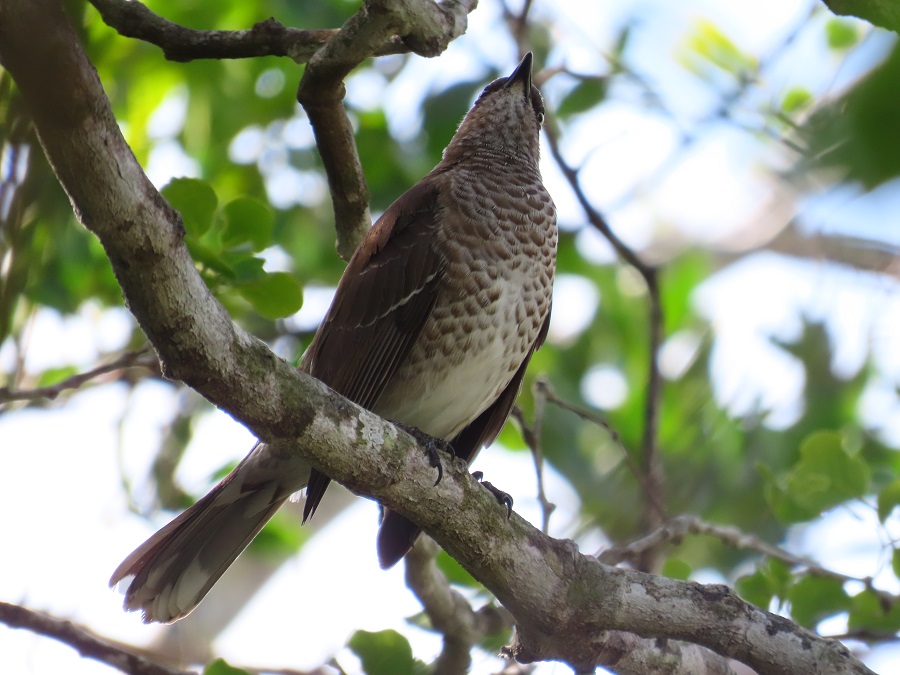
532,437
519,24
680,526
83,641
141,358
653,479
593,417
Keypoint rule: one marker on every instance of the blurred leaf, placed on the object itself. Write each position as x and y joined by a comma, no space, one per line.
679,279
455,572
245,267
884,13
858,133
869,612
195,200
53,376
841,34
826,474
221,667
888,498
248,220
585,95
795,99
772,579
675,568
716,48
384,653
895,562
274,296
755,588
815,598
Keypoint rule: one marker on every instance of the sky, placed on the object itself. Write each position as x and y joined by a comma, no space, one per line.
64,464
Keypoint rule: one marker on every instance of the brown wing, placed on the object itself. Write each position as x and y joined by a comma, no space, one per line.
382,302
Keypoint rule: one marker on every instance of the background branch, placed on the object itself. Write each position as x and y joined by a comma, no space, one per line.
449,612
142,358
83,641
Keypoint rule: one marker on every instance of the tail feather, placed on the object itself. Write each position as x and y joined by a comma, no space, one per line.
396,536
170,573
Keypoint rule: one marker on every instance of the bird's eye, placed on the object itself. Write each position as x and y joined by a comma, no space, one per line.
540,119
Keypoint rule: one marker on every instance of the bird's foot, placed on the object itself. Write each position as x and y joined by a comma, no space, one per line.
502,497
432,447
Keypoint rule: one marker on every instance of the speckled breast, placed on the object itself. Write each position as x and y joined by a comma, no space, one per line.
499,245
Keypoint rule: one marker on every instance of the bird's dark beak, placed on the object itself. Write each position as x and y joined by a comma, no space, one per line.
522,74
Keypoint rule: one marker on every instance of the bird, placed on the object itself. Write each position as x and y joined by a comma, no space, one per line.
432,327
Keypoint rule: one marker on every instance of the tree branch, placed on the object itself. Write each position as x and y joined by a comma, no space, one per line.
427,28
142,358
449,612
562,601
131,18
83,641
677,528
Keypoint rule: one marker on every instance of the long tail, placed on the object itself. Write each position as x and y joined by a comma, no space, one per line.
396,537
173,570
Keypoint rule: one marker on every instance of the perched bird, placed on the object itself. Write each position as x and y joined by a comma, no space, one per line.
433,324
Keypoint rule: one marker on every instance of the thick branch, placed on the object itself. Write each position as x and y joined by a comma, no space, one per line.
427,28
449,612
179,43
562,601
83,641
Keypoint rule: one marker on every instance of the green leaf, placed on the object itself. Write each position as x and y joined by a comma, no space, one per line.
888,498
384,653
675,568
248,220
208,258
772,579
221,667
815,598
895,562
826,473
716,48
53,376
841,34
855,133
884,13
274,296
195,201
245,267
583,96
455,573
795,99
755,588
870,612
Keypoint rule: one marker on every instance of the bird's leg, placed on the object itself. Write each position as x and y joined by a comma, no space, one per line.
502,497
431,445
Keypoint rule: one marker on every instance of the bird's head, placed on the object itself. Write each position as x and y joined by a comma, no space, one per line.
505,119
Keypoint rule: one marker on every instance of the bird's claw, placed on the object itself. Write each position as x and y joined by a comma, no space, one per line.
502,497
432,447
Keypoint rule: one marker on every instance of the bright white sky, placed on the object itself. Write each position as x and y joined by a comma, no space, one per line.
63,465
